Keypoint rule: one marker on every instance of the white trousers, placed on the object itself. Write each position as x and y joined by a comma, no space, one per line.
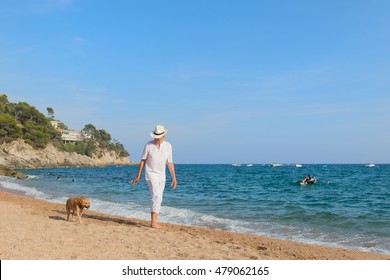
156,189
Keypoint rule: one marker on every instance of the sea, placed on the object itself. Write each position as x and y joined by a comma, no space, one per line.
348,207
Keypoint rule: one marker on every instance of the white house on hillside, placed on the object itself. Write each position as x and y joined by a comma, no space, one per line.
54,123
71,136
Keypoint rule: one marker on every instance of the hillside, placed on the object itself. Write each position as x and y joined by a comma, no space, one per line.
18,154
28,139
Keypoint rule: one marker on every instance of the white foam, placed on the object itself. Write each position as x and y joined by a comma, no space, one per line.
14,184
128,209
34,176
168,215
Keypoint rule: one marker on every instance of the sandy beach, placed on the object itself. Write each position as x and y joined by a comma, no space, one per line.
36,229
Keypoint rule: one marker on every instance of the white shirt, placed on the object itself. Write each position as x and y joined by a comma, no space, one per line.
157,159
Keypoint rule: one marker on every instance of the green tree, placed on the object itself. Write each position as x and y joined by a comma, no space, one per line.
104,135
90,148
3,103
103,138
79,148
90,130
9,129
35,135
50,112
119,148
61,125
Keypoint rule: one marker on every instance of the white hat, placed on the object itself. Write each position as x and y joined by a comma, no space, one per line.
158,132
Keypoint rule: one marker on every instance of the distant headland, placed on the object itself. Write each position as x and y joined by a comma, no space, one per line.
29,139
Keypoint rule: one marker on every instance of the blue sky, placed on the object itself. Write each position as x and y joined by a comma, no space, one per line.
233,81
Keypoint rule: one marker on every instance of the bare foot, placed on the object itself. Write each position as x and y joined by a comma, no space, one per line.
155,225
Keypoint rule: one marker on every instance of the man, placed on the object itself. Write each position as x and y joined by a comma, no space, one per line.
156,155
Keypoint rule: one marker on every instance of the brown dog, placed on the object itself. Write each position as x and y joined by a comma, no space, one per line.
76,204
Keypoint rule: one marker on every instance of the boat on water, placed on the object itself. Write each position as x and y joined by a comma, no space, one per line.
309,182
298,165
276,164
249,164
236,164
370,165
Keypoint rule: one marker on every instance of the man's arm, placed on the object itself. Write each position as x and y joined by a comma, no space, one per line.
171,168
141,167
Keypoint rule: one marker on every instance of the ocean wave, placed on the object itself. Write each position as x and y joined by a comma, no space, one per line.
124,209
15,185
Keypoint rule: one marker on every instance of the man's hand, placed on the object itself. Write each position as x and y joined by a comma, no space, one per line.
174,184
135,181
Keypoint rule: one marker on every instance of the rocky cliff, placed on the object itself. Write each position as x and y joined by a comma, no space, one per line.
18,154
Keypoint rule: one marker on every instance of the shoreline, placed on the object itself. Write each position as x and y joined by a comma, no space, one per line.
37,229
